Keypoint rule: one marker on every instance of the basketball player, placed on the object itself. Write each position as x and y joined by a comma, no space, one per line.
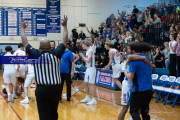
127,85
9,75
21,68
29,73
76,58
114,60
90,74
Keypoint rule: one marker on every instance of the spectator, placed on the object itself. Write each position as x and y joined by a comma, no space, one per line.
123,13
158,12
108,34
163,9
73,48
75,36
121,47
69,42
113,38
158,58
79,47
115,32
170,9
82,35
151,54
93,46
101,27
177,49
165,18
139,18
112,17
108,22
135,10
130,22
126,40
152,11
173,19
103,62
94,33
172,65
156,21
165,53
99,48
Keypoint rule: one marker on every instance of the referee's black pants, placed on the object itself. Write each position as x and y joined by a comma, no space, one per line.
47,97
67,77
140,100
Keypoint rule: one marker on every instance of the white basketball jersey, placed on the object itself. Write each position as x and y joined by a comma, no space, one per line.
9,66
116,58
92,62
30,68
20,53
125,78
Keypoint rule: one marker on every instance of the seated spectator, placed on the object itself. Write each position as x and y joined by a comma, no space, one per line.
82,36
73,48
121,37
127,39
79,46
113,38
103,62
97,60
158,58
93,46
165,18
115,32
94,33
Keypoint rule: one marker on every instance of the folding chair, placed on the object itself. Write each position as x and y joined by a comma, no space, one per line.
162,80
171,81
176,92
155,78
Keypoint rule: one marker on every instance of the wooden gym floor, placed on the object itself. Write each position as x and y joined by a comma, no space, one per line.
107,108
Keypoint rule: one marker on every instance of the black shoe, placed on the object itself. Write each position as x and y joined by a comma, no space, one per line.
68,99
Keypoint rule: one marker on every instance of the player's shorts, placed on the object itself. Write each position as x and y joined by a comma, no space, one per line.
29,79
116,70
21,72
9,76
126,92
90,75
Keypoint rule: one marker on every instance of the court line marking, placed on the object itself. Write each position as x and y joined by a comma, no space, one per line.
119,104
11,107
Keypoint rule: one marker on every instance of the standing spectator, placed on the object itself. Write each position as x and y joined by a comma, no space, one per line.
48,81
130,22
75,36
177,49
139,18
112,17
98,46
94,33
82,35
170,9
165,18
92,36
101,27
93,46
165,52
152,11
163,9
115,32
158,12
73,48
158,58
135,10
172,65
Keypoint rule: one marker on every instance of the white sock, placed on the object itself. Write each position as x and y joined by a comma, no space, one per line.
93,98
87,96
14,92
75,88
9,93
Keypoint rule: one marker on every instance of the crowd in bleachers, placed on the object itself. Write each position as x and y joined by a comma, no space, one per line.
157,25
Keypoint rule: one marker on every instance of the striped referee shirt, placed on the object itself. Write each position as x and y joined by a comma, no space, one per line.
47,68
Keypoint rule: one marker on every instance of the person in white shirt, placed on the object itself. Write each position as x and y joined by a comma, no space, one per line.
9,75
90,74
21,68
93,46
29,73
114,60
172,65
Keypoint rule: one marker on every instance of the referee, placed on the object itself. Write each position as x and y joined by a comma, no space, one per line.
47,76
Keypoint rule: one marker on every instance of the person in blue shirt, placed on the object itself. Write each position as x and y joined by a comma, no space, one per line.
65,70
141,73
108,34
